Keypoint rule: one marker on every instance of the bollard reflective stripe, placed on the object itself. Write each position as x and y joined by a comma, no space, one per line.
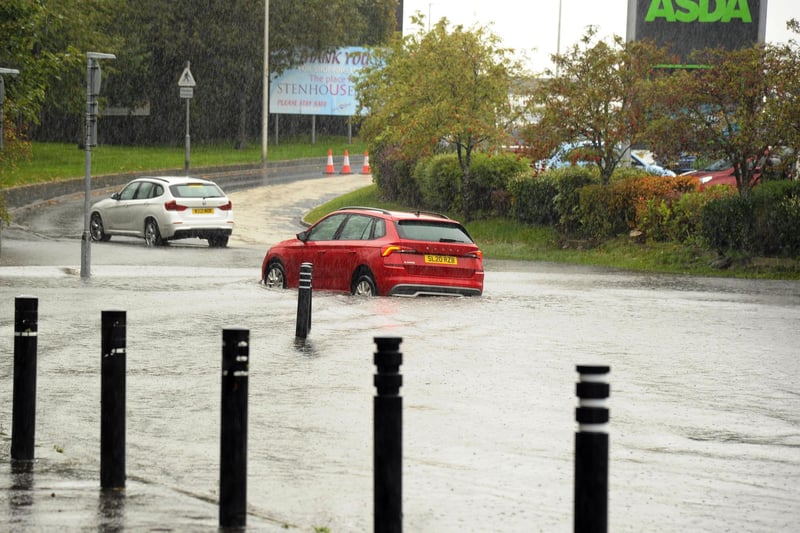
592,391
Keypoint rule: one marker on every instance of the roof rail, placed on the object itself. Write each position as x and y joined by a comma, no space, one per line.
378,209
431,213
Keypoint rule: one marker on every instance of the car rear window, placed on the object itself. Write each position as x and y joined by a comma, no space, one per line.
196,190
433,231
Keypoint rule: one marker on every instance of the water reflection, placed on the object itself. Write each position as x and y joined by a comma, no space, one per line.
111,510
20,498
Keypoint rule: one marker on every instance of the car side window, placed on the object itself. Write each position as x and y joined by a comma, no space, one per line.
157,191
145,188
129,191
325,230
357,228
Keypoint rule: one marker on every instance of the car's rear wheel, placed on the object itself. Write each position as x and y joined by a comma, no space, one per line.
96,229
275,276
218,241
152,235
364,284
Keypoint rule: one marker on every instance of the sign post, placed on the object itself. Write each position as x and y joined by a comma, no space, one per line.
92,91
186,85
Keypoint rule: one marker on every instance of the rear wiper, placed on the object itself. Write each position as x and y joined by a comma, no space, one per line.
449,240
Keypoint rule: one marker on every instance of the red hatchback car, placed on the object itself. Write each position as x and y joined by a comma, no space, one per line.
369,251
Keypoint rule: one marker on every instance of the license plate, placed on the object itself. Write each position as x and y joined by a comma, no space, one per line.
441,259
203,211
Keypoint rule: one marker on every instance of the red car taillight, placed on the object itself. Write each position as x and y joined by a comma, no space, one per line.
226,207
388,250
172,205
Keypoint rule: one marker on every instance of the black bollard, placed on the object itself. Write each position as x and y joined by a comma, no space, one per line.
23,418
304,302
388,439
591,450
112,399
233,442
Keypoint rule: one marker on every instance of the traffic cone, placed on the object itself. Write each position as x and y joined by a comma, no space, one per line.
329,167
365,168
346,166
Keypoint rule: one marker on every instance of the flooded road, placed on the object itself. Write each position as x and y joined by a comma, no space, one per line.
705,406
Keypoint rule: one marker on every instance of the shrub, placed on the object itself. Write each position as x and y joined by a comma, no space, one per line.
765,222
727,223
532,199
439,181
568,182
393,175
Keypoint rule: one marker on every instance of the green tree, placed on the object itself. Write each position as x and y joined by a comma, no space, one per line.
783,108
597,93
439,88
47,42
732,108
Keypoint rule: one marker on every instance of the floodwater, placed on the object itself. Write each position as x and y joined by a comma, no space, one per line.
705,406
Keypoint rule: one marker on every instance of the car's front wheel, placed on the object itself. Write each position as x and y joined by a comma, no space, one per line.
96,229
152,235
364,285
275,276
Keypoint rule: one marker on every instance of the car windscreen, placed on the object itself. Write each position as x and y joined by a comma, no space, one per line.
433,231
196,190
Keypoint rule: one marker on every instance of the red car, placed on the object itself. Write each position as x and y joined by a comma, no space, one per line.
368,251
720,173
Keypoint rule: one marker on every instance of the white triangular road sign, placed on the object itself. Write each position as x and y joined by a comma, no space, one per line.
186,79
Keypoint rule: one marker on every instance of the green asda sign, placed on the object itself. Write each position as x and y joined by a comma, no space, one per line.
687,25
699,11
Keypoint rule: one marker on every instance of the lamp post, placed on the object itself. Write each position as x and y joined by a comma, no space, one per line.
92,91
3,71
265,96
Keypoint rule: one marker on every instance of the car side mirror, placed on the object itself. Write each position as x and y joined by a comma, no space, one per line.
303,236
115,196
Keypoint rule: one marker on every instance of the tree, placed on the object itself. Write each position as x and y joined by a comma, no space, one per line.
598,94
47,42
783,108
446,87
733,107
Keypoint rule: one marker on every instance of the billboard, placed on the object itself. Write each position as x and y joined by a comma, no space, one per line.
319,86
687,25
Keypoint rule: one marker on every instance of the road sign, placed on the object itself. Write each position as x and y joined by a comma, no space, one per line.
187,92
186,79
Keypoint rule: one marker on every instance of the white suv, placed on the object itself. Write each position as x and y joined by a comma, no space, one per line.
160,209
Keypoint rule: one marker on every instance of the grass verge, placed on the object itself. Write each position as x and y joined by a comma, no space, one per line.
56,161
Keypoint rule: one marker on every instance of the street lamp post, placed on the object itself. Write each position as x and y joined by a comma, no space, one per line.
3,71
265,96
92,91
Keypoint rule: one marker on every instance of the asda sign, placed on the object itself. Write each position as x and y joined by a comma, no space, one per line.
687,25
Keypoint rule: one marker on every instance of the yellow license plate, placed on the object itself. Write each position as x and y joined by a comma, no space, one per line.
441,259
203,211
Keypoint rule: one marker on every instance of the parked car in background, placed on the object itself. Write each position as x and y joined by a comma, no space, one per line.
720,172
645,159
160,209
368,251
583,153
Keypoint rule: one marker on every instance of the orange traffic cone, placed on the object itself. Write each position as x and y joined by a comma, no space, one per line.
329,167
346,166
365,168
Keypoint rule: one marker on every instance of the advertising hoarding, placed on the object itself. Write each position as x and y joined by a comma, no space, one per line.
319,86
